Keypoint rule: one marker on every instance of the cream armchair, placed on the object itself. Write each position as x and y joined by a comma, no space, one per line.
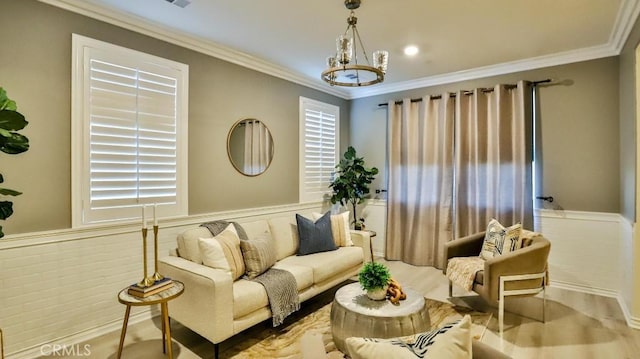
519,273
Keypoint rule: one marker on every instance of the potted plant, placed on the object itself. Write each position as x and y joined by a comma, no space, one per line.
11,143
374,279
351,183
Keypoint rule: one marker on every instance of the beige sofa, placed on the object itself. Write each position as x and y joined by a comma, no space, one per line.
217,308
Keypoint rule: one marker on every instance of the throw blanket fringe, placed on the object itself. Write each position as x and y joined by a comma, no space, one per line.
282,293
462,270
279,284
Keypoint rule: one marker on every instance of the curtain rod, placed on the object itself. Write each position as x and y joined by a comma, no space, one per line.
533,83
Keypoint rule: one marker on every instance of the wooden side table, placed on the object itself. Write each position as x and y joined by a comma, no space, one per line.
161,298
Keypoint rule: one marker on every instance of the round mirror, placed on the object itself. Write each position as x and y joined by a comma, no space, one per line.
250,147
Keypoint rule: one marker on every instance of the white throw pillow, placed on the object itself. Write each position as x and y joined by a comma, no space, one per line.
499,240
229,244
339,228
451,341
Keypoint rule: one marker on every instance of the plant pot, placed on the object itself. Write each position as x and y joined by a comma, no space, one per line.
378,293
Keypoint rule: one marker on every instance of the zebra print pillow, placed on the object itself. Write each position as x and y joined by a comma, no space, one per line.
451,341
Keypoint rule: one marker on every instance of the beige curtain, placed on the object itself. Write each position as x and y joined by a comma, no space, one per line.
493,158
420,180
257,147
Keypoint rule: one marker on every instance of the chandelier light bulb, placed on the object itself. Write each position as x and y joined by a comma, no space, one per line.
345,49
381,60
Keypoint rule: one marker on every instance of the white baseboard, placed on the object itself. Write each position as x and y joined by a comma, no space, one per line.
603,292
632,322
84,336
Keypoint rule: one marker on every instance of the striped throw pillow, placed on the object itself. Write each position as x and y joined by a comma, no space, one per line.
259,255
339,228
227,245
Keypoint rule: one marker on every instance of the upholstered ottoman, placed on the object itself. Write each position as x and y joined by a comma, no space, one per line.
353,314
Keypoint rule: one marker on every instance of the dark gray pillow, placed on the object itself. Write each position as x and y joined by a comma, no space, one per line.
315,237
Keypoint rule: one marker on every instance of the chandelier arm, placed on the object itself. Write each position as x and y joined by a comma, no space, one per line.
364,51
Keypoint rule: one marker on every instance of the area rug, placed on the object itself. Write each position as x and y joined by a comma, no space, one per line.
284,342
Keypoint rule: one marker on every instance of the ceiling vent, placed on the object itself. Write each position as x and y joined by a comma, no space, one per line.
181,3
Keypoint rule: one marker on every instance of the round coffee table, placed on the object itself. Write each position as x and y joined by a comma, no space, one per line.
353,314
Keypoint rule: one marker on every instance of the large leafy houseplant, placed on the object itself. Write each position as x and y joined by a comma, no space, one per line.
12,143
352,180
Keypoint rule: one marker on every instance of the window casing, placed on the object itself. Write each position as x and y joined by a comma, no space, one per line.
319,144
129,128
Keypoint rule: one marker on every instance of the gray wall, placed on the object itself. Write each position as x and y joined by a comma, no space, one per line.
35,69
579,131
628,125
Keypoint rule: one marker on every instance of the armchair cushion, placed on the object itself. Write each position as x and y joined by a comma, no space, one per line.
499,240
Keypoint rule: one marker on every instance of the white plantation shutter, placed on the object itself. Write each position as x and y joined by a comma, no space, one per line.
133,126
319,134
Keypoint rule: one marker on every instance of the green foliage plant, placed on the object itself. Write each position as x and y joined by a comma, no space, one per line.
352,180
12,143
373,275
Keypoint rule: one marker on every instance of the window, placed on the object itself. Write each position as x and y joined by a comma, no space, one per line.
129,128
319,143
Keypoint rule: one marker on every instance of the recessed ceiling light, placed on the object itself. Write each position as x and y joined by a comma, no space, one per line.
411,50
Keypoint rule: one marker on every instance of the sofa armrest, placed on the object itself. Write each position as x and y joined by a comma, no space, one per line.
206,306
362,239
528,260
468,246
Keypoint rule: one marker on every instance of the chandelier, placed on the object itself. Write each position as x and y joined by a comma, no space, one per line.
343,68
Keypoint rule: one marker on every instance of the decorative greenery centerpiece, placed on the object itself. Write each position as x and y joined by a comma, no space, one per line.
11,143
374,278
351,184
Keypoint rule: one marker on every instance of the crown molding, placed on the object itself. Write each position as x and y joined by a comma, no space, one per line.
561,58
625,20
161,32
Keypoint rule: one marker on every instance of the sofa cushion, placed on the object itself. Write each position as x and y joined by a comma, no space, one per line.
303,274
282,231
255,229
499,240
315,236
248,296
328,264
259,254
188,243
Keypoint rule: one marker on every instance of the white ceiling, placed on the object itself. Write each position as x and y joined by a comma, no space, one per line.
457,39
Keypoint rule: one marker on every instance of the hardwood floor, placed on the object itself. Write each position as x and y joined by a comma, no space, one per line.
578,325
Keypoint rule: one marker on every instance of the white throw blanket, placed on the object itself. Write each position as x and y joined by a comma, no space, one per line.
462,270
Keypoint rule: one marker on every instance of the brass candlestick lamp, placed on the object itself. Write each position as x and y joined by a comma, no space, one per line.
148,281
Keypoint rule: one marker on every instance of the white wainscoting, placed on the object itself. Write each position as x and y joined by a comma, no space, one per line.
60,287
627,266
585,250
375,214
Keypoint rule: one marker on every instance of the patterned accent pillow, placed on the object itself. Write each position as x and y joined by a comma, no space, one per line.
228,243
499,240
259,255
315,236
339,228
450,341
